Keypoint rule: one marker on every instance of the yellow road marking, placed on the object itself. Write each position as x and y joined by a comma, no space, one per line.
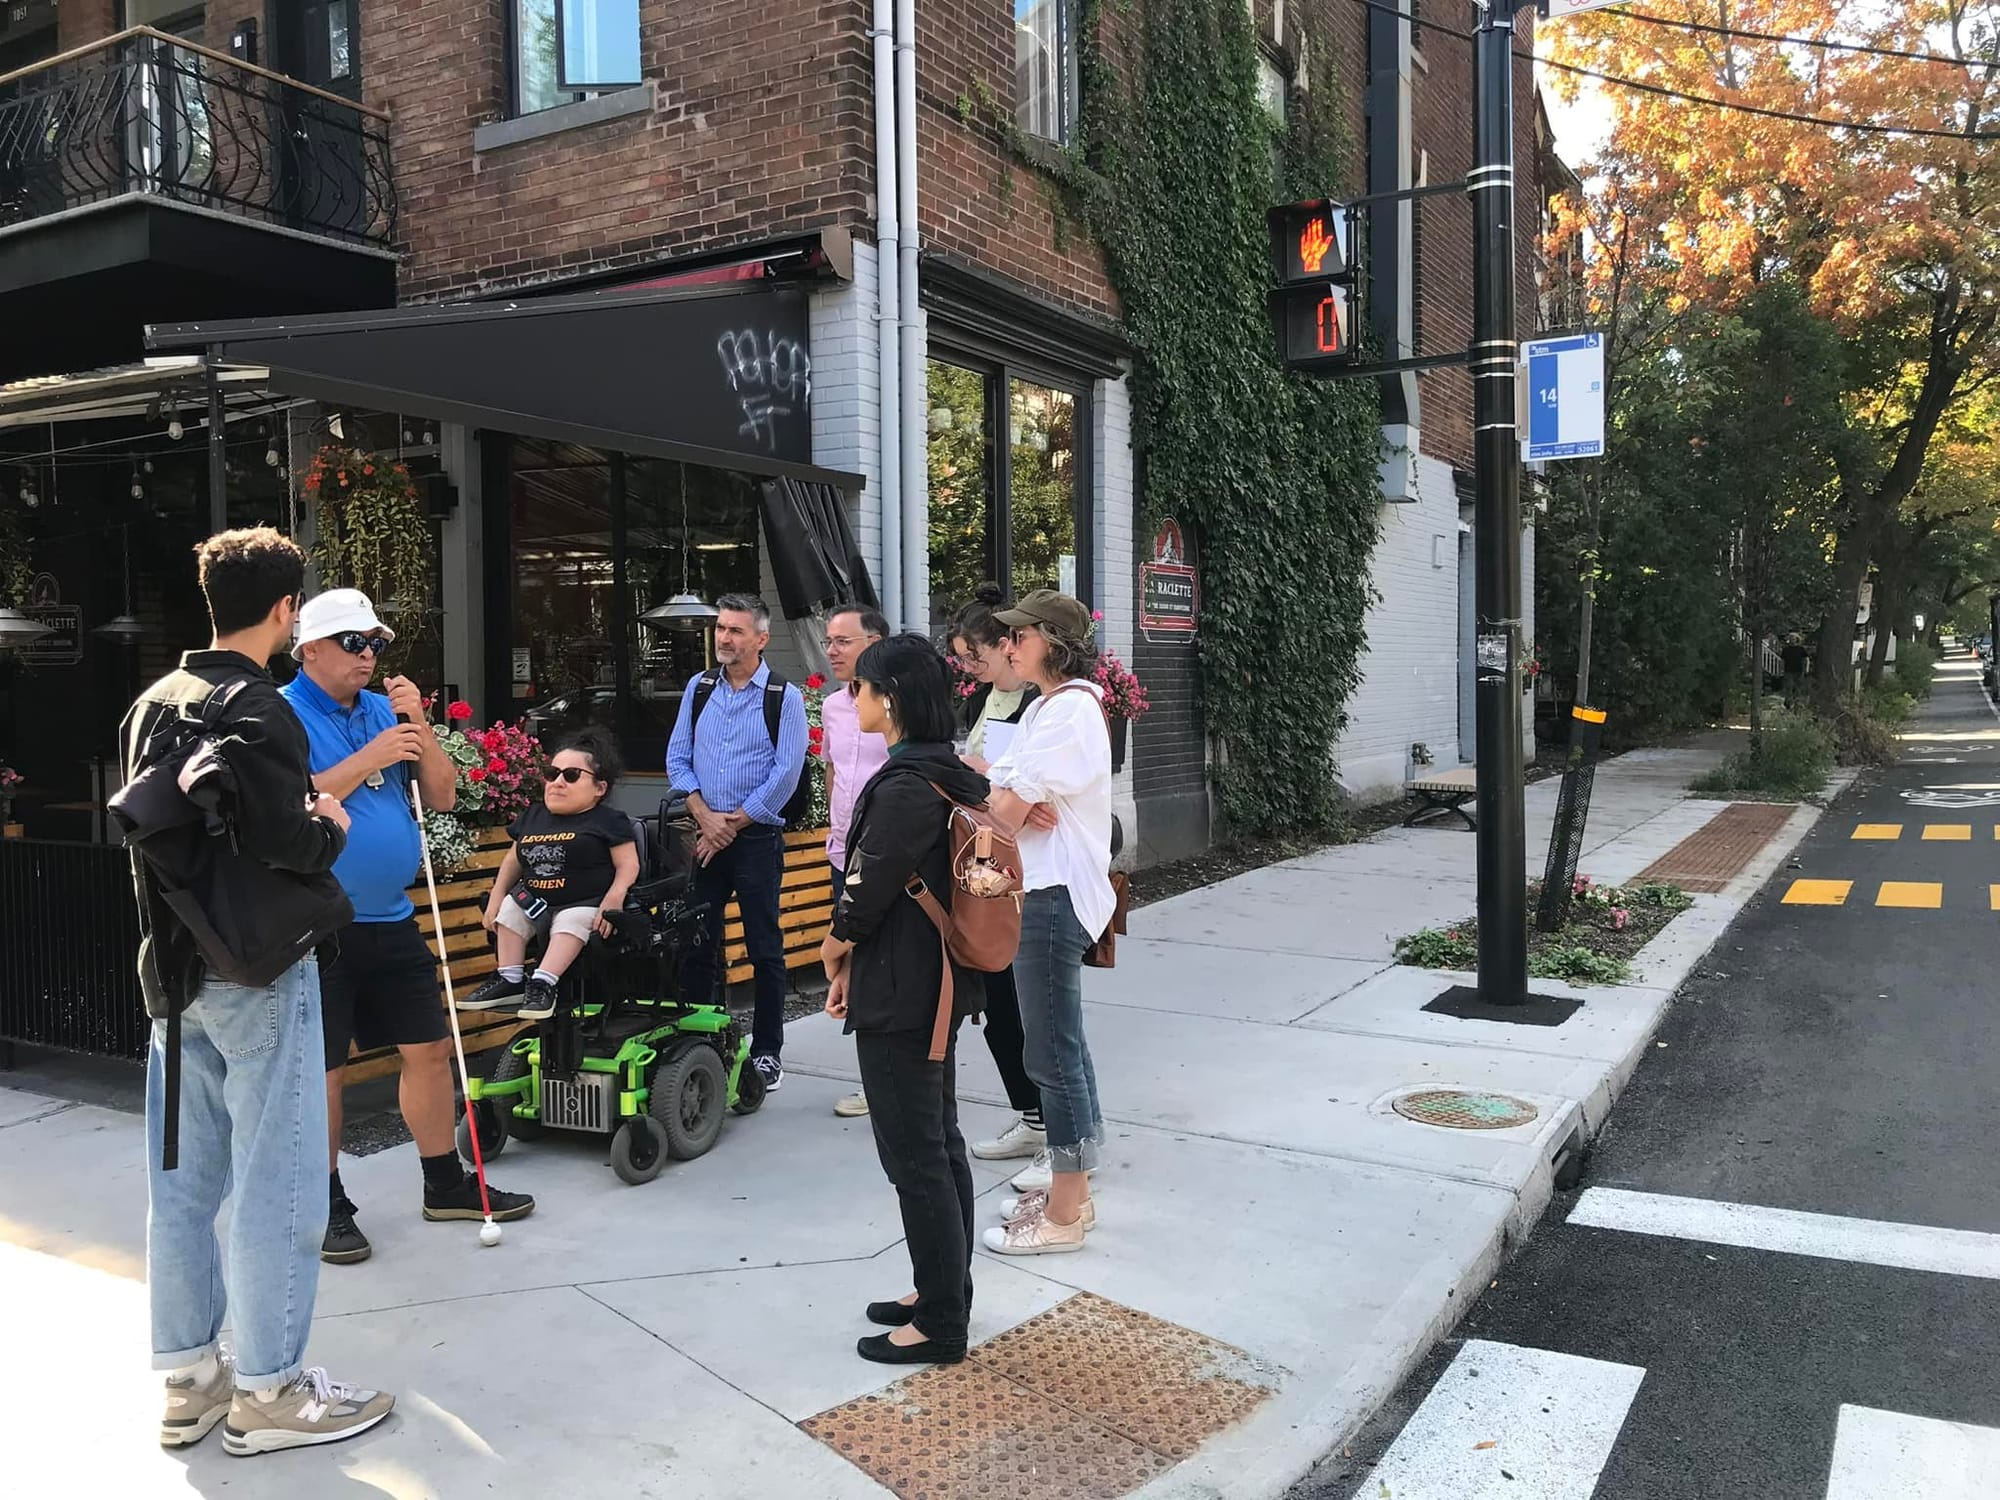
1948,832
1817,892
1923,895
1892,831
1994,892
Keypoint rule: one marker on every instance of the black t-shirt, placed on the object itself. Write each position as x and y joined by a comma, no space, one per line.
567,860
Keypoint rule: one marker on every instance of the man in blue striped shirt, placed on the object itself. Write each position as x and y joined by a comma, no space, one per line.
738,782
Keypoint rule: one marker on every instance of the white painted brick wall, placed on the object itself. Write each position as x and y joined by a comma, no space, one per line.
1112,523
847,429
1409,668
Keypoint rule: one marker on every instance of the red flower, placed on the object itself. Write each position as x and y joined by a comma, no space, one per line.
368,468
816,681
477,773
459,711
495,766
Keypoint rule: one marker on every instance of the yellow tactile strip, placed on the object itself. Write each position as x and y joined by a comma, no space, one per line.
1717,852
1090,1399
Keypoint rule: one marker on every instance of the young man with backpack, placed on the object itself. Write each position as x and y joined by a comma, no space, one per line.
233,853
737,753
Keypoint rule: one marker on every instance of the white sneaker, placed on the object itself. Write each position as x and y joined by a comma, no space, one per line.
851,1106
193,1410
1035,1203
1039,1175
309,1411
1018,1139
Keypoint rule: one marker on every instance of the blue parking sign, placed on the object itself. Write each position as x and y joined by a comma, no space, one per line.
1565,392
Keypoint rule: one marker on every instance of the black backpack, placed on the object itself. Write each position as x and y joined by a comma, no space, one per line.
800,802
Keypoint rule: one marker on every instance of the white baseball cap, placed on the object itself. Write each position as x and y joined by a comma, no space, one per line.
335,612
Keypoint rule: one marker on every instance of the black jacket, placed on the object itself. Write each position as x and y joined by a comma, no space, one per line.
899,831
263,886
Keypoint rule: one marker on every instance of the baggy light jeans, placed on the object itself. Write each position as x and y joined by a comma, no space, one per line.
1048,974
253,1123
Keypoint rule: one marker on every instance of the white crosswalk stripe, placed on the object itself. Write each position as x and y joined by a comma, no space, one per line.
1512,1422
1914,1247
1880,1455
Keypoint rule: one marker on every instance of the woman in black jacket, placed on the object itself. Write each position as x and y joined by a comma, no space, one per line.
886,964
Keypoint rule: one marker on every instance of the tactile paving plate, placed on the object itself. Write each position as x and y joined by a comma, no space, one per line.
1155,1382
1717,852
962,1432
1090,1399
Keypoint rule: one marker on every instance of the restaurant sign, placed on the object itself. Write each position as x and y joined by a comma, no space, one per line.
1169,589
63,645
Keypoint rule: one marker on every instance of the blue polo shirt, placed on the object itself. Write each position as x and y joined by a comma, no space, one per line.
383,854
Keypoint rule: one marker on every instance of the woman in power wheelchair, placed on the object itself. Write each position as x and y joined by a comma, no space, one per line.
622,1051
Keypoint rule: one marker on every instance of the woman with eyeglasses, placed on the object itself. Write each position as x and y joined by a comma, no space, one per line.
1054,784
573,860
886,966
980,642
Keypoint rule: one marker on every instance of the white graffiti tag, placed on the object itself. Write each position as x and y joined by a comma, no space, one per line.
771,376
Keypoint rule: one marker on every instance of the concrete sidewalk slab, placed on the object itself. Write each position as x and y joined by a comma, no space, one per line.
1227,983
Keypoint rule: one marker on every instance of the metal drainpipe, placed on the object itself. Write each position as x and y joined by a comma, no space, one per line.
888,373
916,533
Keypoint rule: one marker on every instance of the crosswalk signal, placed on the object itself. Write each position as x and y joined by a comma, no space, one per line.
1311,310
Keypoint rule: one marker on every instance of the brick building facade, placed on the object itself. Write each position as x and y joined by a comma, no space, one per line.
748,127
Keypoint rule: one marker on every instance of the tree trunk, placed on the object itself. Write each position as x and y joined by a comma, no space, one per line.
1754,628
1833,659
1883,617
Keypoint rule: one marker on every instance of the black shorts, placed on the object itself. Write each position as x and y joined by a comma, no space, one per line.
380,990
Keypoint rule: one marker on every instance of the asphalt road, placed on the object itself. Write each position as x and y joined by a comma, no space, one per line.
1836,1062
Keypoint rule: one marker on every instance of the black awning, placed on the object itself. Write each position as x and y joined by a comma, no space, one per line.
812,548
718,377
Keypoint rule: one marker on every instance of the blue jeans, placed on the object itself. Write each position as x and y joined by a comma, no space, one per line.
252,1123
1048,973
752,869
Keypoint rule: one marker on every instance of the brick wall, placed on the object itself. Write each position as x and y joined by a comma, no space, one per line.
759,126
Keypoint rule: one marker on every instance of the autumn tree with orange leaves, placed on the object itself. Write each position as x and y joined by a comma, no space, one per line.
1893,234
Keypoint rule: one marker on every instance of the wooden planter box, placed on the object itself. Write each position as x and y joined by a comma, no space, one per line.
805,912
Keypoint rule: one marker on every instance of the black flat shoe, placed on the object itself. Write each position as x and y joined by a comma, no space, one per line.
882,1352
892,1314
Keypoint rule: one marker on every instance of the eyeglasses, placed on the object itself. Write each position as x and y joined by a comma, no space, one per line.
354,642
843,641
571,774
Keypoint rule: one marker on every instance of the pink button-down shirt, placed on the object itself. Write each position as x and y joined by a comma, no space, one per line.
855,756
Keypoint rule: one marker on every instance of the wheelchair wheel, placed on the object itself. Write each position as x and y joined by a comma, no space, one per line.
639,1150
492,1131
511,1066
750,1091
689,1092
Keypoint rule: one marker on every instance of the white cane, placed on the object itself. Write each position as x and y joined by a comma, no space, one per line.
489,1232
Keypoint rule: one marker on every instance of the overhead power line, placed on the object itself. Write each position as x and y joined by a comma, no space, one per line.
1822,43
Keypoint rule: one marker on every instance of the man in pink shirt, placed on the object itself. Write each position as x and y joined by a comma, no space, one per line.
851,755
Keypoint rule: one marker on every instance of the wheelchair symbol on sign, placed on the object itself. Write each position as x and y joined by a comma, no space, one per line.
1954,797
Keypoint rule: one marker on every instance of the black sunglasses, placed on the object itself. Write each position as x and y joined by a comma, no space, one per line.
571,774
354,642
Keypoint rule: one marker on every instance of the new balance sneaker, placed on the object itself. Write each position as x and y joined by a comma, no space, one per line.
538,1001
311,1410
462,1202
498,993
851,1106
344,1243
1018,1139
770,1070
193,1409
1035,1203
1034,1233
1039,1175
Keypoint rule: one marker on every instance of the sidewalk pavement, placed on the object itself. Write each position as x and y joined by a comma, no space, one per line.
670,1339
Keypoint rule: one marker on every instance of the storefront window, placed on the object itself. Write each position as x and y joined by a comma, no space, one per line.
1016,516
599,539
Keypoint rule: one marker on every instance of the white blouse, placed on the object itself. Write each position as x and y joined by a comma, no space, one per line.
1061,755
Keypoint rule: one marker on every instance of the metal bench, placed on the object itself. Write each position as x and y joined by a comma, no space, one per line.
1443,795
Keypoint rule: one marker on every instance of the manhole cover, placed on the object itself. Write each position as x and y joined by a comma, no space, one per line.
1464,1109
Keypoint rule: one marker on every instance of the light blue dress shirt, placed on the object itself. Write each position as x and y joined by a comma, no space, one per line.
732,762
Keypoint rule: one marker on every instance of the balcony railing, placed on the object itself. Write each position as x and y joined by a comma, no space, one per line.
145,113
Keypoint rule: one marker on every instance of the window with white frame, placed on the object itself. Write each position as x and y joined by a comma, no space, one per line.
1045,68
565,50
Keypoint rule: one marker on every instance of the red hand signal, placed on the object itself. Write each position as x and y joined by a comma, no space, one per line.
1314,242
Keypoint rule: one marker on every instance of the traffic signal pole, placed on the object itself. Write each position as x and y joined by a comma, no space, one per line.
1496,531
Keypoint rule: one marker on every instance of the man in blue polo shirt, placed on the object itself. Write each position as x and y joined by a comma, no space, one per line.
381,987
739,776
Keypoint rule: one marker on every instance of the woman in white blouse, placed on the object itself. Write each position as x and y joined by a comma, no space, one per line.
1054,784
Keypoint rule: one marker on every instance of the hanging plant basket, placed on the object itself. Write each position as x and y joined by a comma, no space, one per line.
373,533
